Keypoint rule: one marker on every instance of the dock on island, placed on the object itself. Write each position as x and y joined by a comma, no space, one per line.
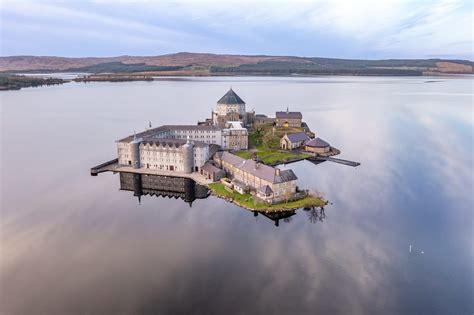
113,166
332,159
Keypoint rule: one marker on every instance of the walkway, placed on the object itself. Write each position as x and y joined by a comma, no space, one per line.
112,166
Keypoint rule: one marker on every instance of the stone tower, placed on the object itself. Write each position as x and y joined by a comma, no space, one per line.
188,157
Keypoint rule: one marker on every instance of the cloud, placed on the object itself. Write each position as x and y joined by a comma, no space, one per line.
332,28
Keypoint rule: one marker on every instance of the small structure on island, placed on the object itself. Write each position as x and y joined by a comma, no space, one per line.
288,119
317,145
212,172
292,141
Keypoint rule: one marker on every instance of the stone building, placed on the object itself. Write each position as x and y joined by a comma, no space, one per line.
317,145
291,141
261,120
288,119
235,136
276,185
212,172
231,108
163,154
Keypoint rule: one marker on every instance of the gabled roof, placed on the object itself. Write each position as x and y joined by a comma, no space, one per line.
259,170
208,167
297,136
230,158
288,115
317,143
266,190
285,176
166,128
230,98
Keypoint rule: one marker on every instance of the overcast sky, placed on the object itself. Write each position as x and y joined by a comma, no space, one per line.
343,29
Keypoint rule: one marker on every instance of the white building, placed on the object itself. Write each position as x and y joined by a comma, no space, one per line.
163,154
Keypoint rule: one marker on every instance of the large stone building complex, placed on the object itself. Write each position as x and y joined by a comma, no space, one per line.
202,149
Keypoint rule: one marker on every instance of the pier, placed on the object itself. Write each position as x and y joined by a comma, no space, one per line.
319,159
112,166
109,166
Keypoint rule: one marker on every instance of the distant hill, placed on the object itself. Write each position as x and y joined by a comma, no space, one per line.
213,64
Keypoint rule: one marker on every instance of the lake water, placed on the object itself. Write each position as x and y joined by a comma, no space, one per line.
76,244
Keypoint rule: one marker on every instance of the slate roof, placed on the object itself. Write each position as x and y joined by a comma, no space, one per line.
285,176
208,167
262,171
317,143
288,115
164,128
266,190
297,136
230,158
230,98
259,170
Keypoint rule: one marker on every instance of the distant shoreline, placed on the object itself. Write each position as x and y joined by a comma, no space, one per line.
203,64
24,80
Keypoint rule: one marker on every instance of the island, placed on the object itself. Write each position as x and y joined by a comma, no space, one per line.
235,153
17,82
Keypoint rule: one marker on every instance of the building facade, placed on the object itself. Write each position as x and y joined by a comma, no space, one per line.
261,120
163,154
231,108
291,141
317,145
288,119
235,136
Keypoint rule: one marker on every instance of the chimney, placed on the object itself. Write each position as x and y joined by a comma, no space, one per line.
277,171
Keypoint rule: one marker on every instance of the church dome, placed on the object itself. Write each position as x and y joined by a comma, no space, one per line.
230,98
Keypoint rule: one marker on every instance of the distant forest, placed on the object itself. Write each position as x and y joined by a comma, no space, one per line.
320,66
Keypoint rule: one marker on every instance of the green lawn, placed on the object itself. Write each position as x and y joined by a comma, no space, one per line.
266,141
278,157
273,157
248,201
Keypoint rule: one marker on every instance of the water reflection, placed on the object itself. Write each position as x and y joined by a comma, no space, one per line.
163,186
188,190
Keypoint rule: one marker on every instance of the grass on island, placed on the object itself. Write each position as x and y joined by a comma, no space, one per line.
267,143
247,200
273,157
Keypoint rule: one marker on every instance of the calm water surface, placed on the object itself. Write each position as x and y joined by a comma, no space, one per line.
76,244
